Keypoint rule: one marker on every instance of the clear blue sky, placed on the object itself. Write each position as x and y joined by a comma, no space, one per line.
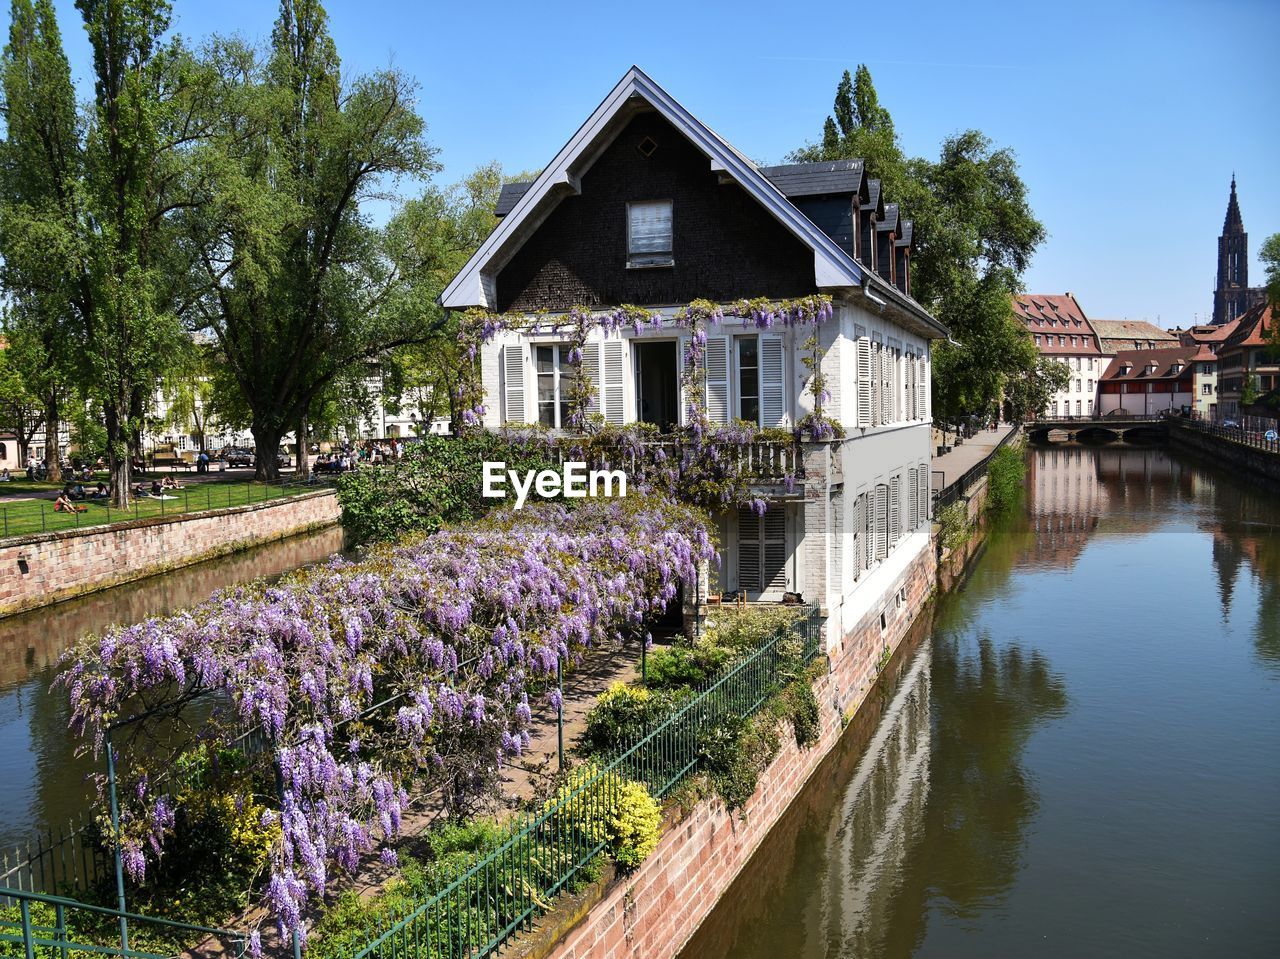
1128,118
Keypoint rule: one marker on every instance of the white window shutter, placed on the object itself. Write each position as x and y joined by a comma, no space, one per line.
926,497
886,385
614,392
912,413
681,346
882,521
913,500
922,387
876,371
591,370
773,409
864,381
869,529
774,575
859,535
895,510
513,371
748,551
716,362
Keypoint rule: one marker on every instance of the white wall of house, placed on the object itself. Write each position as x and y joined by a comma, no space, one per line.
854,524
1140,401
1205,402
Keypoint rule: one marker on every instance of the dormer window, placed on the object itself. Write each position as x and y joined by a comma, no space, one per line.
1125,369
649,234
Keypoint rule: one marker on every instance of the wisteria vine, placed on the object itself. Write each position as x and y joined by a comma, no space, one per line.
458,630
479,326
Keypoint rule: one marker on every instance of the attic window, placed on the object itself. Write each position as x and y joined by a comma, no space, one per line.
647,146
649,233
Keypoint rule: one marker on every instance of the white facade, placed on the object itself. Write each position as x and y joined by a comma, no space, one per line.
1079,396
859,511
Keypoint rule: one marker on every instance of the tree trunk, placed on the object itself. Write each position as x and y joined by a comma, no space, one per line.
303,470
52,426
266,441
118,461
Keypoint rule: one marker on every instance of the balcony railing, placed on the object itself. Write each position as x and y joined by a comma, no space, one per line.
764,461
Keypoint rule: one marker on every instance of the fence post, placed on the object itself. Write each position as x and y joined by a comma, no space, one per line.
560,713
115,829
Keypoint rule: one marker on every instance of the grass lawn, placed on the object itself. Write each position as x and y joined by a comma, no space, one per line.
37,516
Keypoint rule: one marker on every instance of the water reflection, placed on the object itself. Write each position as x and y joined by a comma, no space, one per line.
1081,748
43,780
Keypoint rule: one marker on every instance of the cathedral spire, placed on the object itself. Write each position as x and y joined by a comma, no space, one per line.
1233,222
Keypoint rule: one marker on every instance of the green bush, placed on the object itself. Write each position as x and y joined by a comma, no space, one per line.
635,825
953,522
1005,475
440,480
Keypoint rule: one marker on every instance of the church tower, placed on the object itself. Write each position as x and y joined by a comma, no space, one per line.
1232,296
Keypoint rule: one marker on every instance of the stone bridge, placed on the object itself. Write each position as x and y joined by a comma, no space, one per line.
1098,428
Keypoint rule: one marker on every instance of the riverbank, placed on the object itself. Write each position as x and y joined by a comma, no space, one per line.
1221,447
47,568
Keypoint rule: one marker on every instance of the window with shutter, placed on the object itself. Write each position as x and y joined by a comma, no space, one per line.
613,398
882,521
913,492
835,571
859,535
869,529
832,366
864,381
649,234
926,497
749,551
716,362
877,410
895,511
591,370
886,385
922,388
774,529
513,373
773,409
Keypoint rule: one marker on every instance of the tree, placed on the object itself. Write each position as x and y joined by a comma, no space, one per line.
1270,256
20,412
295,284
90,206
974,237
1029,395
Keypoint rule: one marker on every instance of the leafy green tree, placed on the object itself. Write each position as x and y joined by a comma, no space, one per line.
1270,256
90,202
20,412
1029,395
975,234
295,283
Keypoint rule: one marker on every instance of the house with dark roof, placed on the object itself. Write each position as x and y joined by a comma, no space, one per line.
1246,357
645,205
1063,333
1143,382
1117,335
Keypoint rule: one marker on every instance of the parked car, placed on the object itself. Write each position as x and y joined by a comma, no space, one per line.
1230,425
233,456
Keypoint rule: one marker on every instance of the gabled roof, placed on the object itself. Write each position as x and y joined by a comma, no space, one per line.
834,269
890,221
1131,330
1251,330
1139,360
822,178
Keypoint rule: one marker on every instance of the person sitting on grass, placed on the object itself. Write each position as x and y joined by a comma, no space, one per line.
140,490
156,488
5,477
64,505
77,491
169,483
100,492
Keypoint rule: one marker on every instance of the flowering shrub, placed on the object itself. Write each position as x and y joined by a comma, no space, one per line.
453,632
635,825
602,806
479,326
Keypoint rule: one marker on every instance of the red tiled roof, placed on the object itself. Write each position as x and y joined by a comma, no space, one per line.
1052,317
1139,360
1204,354
1252,329
1208,333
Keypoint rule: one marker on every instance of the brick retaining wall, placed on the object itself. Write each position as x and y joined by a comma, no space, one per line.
655,911
1225,452
49,567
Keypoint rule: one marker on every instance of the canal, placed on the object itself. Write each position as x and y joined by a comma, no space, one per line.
43,781
1078,754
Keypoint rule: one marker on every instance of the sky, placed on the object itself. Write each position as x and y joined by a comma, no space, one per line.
1128,118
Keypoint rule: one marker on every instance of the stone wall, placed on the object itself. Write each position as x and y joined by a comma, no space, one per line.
49,567
1226,452
654,912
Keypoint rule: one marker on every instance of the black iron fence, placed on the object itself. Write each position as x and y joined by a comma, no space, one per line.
1267,440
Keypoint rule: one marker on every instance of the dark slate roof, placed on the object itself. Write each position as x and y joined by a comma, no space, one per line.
816,179
873,195
890,221
908,227
791,179
510,196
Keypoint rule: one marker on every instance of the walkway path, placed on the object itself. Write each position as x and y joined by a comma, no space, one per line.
962,458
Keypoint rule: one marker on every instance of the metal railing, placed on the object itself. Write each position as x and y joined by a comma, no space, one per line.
1257,439
474,911
950,492
33,517
69,859
1103,418
51,926
765,460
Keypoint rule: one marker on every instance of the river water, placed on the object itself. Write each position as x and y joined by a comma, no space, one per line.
1078,754
42,782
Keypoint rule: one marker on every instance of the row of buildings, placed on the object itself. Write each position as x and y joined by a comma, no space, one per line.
1216,370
